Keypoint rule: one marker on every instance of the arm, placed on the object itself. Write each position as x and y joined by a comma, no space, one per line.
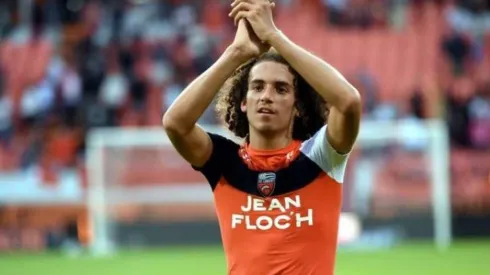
180,119
179,122
344,99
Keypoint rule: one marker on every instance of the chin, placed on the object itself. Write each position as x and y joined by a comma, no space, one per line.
265,128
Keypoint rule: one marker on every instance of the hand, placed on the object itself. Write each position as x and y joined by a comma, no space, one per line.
258,13
246,44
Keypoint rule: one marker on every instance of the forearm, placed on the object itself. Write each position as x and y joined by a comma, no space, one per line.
198,95
324,78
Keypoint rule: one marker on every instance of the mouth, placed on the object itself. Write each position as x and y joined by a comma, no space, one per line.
265,111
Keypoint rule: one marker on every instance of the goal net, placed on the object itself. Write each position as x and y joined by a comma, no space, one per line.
141,193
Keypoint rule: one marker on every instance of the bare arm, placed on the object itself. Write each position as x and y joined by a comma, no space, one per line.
344,99
180,119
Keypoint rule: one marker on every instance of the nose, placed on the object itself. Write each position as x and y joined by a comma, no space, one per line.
267,94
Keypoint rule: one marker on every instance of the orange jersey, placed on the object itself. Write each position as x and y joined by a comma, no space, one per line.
278,210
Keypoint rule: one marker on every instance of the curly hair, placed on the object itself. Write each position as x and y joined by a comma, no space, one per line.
311,106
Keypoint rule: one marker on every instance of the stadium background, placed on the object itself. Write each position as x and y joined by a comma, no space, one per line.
67,66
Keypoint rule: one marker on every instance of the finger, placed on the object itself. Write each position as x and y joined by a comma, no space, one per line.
236,2
243,6
273,5
241,15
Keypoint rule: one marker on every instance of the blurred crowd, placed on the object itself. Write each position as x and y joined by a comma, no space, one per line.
360,13
69,65
466,47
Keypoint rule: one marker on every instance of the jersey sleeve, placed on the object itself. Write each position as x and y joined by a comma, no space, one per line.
213,168
320,151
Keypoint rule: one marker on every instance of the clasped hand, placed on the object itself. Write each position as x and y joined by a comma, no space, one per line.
258,13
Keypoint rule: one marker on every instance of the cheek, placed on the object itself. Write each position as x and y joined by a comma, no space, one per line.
287,106
250,101
245,103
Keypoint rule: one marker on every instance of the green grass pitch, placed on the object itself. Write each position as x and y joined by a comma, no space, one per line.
471,258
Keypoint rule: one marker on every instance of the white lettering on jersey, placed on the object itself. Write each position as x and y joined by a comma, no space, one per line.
280,214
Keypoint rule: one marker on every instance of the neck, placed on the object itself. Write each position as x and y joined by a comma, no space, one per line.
260,141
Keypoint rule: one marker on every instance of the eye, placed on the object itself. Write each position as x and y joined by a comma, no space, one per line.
257,87
282,90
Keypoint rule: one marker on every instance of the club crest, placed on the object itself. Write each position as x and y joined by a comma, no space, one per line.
266,183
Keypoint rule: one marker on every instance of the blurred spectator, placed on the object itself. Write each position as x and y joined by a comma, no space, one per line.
468,100
173,91
92,66
70,90
368,88
200,49
5,19
458,113
25,57
471,18
417,104
373,108
356,13
335,10
70,11
6,114
114,89
479,113
457,49
184,17
36,103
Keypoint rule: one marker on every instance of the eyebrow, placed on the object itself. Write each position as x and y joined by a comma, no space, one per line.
276,82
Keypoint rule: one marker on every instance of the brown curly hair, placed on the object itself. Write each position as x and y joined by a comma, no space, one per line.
310,105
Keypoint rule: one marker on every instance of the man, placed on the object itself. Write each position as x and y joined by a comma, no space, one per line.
278,194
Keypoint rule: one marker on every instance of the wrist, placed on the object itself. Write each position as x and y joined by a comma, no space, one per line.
237,55
273,37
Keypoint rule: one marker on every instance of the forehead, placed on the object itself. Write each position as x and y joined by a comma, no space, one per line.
270,71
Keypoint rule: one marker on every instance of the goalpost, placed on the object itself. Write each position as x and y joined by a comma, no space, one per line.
141,193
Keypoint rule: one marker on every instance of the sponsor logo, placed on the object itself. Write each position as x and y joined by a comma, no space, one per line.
275,213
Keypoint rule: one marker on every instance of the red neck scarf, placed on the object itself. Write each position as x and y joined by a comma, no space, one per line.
269,160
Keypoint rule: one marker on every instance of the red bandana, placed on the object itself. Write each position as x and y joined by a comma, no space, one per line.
269,160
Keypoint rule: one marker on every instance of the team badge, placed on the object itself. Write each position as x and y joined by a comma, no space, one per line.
266,183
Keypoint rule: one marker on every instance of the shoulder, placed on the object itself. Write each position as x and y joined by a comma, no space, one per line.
222,142
319,150
223,150
222,147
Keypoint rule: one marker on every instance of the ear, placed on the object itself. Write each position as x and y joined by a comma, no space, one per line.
243,106
297,108
296,112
